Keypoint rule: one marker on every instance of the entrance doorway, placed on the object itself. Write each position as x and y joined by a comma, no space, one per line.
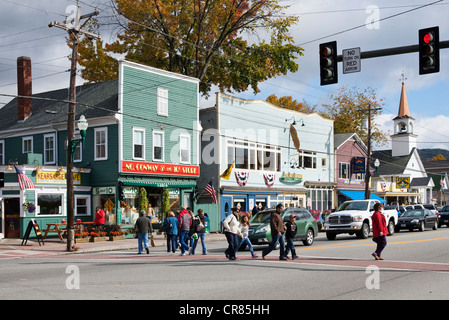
12,217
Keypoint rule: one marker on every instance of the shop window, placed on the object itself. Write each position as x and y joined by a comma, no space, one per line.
344,170
82,205
49,204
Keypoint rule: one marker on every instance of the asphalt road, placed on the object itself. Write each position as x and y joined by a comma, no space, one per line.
416,266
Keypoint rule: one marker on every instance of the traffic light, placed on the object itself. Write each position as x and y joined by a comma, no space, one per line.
328,63
429,50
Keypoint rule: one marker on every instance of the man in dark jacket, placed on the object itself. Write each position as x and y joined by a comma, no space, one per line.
277,233
143,227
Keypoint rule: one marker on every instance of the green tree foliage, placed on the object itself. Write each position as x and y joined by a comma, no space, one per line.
143,200
205,39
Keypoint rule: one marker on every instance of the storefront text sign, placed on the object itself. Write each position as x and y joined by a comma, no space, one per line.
160,168
56,177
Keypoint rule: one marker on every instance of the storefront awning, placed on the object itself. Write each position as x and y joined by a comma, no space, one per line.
158,182
359,195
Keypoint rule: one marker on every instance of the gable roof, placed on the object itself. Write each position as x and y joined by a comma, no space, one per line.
341,138
51,107
390,165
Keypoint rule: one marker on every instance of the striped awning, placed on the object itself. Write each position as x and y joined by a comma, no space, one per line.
158,182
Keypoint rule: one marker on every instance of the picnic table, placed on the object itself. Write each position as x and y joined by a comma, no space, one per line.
54,228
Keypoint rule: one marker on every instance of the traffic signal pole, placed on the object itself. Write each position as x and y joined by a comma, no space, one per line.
392,51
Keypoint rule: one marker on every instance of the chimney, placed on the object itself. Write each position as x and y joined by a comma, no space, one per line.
24,105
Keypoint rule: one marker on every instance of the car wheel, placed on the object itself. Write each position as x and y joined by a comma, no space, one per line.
331,236
435,225
364,232
309,238
391,228
422,227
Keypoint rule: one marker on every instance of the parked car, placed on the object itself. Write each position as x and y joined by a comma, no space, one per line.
414,206
260,230
432,208
398,207
417,219
444,216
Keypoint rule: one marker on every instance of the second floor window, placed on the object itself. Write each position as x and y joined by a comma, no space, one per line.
158,146
344,170
185,148
139,144
101,144
162,102
27,145
49,148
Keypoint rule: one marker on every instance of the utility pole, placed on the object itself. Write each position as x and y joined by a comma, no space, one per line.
368,157
74,31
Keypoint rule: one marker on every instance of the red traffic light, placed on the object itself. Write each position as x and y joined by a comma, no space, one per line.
428,37
326,51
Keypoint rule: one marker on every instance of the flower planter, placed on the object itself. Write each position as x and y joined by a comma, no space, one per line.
97,239
81,240
116,238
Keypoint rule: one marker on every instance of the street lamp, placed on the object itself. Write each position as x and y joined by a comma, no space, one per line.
72,143
376,165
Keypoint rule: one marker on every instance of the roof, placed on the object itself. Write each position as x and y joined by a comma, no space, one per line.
341,138
421,182
51,107
403,104
389,165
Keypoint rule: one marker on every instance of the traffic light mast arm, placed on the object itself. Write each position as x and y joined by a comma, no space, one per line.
392,51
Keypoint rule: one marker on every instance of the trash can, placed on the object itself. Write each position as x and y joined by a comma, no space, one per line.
206,220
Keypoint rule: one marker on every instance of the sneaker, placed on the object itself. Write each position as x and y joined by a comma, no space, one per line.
204,253
148,250
283,258
375,256
295,257
255,256
182,254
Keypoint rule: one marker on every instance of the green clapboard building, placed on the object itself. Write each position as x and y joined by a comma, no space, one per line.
143,132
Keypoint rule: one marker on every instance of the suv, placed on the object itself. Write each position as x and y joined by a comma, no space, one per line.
260,230
432,208
444,216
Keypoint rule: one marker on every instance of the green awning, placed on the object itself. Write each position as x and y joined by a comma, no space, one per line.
158,182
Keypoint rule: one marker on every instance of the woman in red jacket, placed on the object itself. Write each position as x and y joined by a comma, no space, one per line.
380,230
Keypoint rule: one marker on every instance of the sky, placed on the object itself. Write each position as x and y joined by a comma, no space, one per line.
370,25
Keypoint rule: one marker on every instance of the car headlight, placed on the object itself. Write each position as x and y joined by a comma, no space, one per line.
416,221
263,229
326,219
357,218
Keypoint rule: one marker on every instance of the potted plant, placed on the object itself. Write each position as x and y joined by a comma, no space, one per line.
29,206
81,237
116,234
96,236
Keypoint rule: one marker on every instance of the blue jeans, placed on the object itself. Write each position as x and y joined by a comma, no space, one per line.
276,238
248,243
201,236
172,242
143,241
290,247
233,242
183,237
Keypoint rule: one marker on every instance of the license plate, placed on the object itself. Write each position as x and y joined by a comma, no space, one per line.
446,220
403,225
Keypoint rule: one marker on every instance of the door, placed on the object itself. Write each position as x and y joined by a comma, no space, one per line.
225,210
12,217
301,223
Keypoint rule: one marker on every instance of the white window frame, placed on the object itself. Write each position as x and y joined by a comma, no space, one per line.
50,135
163,145
88,205
181,136
142,130
24,139
51,191
105,130
340,171
162,102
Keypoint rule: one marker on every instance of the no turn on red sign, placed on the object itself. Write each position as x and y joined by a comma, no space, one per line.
351,60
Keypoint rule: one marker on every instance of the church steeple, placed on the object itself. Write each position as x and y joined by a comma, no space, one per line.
403,140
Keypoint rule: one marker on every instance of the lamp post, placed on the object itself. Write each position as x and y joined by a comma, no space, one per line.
376,165
72,143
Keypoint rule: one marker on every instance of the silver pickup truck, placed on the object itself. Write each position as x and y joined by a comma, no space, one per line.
354,217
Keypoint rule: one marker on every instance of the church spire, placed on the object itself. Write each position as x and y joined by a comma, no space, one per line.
403,104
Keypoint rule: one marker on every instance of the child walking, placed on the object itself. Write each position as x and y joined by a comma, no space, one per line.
244,228
290,234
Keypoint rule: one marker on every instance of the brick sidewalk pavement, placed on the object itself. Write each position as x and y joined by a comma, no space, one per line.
56,246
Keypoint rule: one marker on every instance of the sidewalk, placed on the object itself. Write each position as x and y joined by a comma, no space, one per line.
56,246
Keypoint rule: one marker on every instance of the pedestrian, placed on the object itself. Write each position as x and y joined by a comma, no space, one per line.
99,219
232,233
244,229
143,229
170,226
380,230
290,234
277,233
150,212
200,230
184,224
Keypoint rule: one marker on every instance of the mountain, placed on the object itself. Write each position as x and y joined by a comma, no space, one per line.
428,154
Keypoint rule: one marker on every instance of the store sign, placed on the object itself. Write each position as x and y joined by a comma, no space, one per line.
104,190
56,177
402,182
291,177
358,165
160,168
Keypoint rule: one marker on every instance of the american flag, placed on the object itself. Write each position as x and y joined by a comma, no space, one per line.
24,181
210,189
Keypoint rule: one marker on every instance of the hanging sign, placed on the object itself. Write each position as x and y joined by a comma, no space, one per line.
160,168
402,182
